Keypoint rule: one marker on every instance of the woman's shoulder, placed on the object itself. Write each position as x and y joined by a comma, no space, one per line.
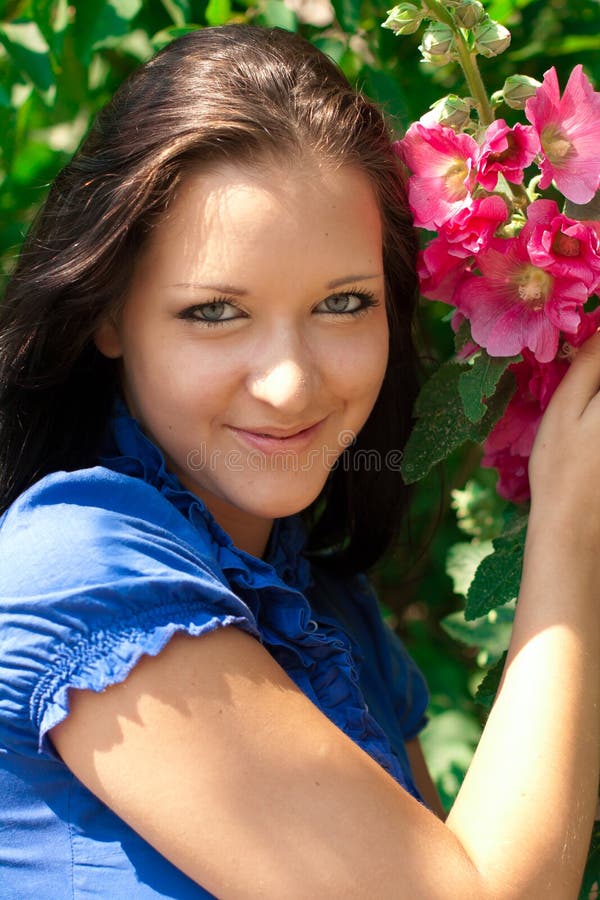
93,521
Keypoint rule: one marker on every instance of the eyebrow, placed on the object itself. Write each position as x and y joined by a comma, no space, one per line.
240,292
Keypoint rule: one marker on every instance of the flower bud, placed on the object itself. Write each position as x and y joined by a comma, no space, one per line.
404,18
518,89
469,14
438,42
451,111
491,38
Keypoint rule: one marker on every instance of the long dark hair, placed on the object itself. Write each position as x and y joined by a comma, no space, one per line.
237,93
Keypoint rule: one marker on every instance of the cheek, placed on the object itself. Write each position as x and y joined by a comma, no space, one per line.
358,366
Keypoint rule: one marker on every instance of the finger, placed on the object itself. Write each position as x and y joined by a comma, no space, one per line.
582,381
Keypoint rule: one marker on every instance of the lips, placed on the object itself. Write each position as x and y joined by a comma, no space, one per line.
271,440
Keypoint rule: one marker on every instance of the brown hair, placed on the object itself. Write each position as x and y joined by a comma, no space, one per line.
237,93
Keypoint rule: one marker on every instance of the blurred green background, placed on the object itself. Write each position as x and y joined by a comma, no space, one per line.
61,61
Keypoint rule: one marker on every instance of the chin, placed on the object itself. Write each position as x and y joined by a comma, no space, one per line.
280,505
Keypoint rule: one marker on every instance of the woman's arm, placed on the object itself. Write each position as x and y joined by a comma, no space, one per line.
213,754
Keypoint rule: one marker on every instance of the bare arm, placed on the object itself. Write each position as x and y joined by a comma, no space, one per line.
255,792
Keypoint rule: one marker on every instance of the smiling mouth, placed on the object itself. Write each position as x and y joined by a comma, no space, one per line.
280,435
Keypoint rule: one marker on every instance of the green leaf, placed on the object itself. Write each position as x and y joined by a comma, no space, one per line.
498,577
52,17
462,335
348,14
29,51
441,424
179,10
462,562
490,633
479,382
218,12
99,23
488,688
277,15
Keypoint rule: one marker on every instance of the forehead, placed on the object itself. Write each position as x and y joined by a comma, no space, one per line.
234,216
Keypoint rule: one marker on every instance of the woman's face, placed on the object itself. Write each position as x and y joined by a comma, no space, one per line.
257,308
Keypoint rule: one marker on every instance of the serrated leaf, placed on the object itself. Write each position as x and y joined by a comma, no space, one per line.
179,10
478,383
487,690
442,426
498,577
462,335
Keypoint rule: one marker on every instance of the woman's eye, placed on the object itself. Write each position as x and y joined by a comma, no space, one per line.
351,302
212,313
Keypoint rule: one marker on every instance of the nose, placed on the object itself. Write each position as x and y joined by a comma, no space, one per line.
284,380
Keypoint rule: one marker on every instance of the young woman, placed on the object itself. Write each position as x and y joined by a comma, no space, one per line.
206,369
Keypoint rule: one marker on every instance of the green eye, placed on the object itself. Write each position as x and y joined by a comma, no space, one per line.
212,313
348,303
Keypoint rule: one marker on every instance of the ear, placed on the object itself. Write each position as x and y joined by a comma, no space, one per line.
107,339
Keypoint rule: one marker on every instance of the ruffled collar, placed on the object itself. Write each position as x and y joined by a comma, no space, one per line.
128,450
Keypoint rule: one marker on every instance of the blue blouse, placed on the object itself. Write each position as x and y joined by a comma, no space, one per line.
102,565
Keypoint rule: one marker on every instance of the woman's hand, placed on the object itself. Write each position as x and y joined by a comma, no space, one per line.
564,467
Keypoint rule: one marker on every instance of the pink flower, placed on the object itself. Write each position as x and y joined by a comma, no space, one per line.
440,272
442,264
442,165
510,442
561,245
473,227
569,131
515,305
507,151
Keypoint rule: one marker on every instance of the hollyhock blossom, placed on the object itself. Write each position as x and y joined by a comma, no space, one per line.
506,151
561,245
473,227
443,171
515,305
440,272
569,132
441,265
510,442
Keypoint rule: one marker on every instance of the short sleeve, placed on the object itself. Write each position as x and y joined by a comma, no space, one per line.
96,569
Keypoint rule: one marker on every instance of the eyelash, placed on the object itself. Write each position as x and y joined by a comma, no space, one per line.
367,298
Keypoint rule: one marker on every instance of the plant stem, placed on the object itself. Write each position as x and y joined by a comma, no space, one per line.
467,61
469,66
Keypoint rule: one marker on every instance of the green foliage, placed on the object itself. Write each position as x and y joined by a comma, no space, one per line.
443,424
498,576
478,384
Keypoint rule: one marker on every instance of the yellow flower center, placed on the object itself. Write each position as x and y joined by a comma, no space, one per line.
454,179
557,147
533,286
